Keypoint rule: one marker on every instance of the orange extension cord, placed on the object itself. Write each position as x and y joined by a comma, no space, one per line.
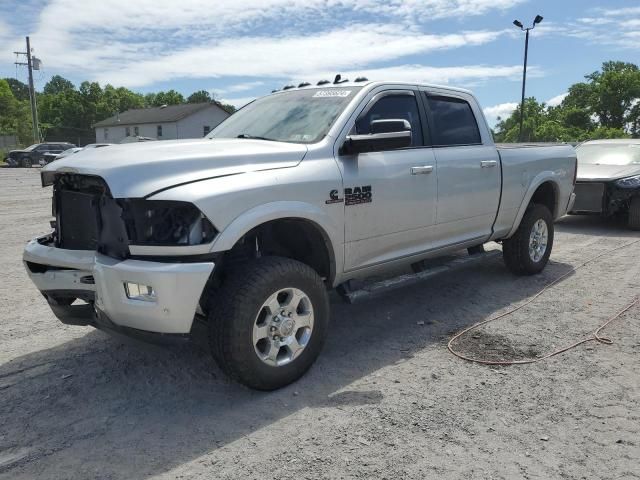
595,336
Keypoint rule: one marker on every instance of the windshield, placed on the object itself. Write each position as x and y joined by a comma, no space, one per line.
609,154
28,149
296,116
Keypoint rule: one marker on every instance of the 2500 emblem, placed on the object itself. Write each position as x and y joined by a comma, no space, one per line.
357,195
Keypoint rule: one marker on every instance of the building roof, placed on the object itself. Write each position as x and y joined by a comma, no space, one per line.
170,113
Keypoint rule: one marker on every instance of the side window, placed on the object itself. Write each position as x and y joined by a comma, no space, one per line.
394,107
453,122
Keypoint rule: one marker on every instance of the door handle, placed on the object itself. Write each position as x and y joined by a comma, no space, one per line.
421,170
488,163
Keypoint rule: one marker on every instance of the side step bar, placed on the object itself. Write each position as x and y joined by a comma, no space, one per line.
384,286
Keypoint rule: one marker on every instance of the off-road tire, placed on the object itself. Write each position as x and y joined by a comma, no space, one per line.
515,250
634,213
26,162
233,309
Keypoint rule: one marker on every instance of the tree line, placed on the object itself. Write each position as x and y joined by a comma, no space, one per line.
605,105
67,113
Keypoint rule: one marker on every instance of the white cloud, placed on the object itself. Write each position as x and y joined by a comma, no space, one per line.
298,56
557,100
618,28
502,110
139,43
458,75
243,87
238,102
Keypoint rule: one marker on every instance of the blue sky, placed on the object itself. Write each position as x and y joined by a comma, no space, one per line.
239,49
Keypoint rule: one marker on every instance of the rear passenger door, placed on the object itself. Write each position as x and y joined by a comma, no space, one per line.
469,171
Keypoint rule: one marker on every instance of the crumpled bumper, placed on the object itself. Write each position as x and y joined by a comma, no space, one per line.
62,275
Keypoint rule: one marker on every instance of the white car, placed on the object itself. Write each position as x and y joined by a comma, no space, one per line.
50,157
608,180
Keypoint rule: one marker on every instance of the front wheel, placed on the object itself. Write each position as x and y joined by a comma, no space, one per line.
527,251
268,322
26,162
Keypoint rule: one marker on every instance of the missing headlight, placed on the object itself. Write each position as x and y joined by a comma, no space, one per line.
166,223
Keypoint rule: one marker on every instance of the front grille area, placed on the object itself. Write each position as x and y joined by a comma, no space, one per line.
589,197
77,220
87,217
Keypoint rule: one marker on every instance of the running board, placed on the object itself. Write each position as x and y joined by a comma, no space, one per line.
401,281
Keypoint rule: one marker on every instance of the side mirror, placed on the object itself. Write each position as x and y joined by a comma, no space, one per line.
388,134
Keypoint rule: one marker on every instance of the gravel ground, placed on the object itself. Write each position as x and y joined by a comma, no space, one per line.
385,400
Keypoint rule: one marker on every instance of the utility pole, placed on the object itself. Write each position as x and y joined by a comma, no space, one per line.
32,92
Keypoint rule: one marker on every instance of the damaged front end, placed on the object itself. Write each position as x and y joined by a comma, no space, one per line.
88,270
604,198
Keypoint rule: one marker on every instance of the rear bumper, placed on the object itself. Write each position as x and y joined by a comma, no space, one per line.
99,280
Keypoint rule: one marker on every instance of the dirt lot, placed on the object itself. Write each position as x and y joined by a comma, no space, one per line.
385,400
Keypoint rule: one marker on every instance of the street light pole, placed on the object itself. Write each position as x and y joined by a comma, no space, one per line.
519,24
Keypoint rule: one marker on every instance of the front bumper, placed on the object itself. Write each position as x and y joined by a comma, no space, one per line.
601,198
99,280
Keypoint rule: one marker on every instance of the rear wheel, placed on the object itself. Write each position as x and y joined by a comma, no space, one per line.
268,322
527,251
634,213
26,162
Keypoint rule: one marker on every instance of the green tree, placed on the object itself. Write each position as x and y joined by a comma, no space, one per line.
58,84
200,96
19,89
607,105
15,115
170,97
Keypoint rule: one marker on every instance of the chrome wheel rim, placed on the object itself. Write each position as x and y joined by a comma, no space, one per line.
538,240
283,327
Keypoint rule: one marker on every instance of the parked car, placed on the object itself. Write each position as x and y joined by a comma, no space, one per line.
608,180
32,155
300,191
50,157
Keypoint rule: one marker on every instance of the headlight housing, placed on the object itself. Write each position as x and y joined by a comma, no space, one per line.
629,182
166,223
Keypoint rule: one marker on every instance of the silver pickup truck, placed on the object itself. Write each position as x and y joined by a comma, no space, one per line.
299,192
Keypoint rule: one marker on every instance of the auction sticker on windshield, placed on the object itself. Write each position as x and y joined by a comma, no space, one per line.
332,93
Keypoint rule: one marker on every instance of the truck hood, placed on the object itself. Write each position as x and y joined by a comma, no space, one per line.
606,172
137,170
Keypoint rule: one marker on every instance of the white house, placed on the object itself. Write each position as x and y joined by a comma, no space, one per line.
191,120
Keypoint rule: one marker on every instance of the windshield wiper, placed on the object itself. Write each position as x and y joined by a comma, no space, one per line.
255,137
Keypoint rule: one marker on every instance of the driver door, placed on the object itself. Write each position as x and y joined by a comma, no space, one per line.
389,196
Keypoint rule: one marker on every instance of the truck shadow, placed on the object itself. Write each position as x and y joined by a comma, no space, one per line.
99,407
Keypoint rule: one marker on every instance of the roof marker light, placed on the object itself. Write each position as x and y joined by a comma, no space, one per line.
339,79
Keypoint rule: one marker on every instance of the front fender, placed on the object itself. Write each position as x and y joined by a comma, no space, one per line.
277,210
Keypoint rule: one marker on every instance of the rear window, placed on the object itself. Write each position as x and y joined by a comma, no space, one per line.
453,122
